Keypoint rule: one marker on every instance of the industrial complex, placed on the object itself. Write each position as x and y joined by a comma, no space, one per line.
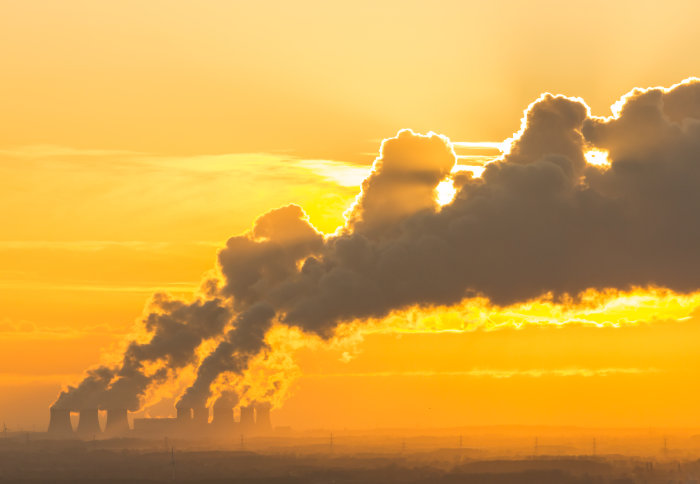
189,422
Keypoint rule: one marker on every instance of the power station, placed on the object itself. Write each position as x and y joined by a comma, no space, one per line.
189,422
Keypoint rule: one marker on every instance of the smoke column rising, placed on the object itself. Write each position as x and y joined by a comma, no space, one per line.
540,220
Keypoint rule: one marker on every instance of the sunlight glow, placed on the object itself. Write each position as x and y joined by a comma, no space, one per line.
477,171
342,173
497,145
606,308
445,192
597,157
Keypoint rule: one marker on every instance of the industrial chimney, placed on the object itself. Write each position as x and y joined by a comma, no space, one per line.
88,424
247,418
262,417
117,422
59,423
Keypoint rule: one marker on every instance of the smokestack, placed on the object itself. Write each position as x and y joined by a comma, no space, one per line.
59,423
262,417
88,424
117,421
247,418
200,416
223,416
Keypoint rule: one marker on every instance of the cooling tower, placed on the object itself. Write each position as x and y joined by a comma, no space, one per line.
184,415
200,416
59,423
223,416
247,418
88,424
117,422
262,417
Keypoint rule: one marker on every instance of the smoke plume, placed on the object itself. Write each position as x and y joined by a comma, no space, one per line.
176,330
540,220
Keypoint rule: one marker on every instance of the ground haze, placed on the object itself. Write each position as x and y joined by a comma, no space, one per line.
466,455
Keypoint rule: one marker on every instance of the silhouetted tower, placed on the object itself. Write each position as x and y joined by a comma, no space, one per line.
223,416
88,423
184,415
59,423
200,416
262,417
117,422
247,418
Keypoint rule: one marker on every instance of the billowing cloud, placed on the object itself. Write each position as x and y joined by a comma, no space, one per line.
254,263
402,182
176,330
232,354
539,221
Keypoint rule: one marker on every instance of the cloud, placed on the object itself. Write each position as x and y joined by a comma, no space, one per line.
540,222
402,182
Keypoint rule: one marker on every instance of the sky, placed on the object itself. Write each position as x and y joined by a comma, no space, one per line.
137,137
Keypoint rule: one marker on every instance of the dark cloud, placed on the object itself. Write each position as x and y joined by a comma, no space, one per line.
253,263
552,126
264,267
228,399
88,392
402,182
654,183
540,220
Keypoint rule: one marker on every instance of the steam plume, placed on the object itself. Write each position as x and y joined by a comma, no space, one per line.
176,329
540,220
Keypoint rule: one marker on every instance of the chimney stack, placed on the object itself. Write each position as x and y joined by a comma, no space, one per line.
262,417
117,422
88,424
59,423
247,418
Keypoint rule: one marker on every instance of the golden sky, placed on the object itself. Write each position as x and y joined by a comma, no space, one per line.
136,137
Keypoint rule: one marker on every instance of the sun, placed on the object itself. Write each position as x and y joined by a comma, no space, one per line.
446,192
597,158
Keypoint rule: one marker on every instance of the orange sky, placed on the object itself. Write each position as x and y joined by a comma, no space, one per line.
137,136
